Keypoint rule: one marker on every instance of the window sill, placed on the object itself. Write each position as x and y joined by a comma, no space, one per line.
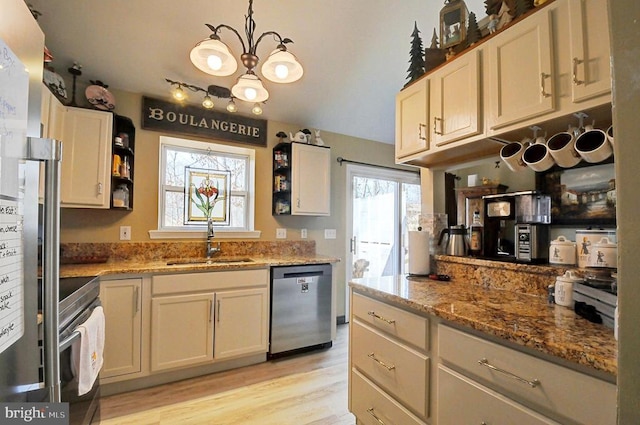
198,234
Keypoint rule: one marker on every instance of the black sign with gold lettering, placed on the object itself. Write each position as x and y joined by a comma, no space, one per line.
160,115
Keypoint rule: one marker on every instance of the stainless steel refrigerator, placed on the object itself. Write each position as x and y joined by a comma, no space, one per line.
21,154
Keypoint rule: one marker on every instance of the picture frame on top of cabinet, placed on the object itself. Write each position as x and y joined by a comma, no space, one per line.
454,17
584,195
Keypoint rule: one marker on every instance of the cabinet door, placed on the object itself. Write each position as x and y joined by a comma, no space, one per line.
181,331
590,54
122,303
455,100
519,72
86,158
242,323
412,116
463,401
311,180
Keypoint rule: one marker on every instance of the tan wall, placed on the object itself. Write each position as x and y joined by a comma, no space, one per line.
86,225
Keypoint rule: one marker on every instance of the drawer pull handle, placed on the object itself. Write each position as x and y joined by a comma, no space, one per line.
543,91
534,383
377,316
372,413
576,81
381,363
420,127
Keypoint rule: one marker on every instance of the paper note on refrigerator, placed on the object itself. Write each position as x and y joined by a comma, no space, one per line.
11,279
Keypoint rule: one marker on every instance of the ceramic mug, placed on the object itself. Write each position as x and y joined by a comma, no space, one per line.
610,134
511,154
537,156
562,149
593,146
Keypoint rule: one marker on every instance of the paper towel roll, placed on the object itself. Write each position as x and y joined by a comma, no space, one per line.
419,252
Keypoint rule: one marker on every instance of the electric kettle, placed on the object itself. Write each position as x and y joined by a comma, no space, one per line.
456,243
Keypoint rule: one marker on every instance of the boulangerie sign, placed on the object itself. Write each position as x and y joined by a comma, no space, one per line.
160,115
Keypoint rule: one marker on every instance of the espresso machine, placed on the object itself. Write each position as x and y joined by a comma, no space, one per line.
516,226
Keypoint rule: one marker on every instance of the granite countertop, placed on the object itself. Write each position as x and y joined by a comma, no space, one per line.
523,319
161,266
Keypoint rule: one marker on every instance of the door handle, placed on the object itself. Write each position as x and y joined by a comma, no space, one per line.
543,91
437,120
576,62
420,128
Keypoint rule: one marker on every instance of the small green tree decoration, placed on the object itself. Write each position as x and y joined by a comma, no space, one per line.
416,58
523,6
473,31
492,7
433,55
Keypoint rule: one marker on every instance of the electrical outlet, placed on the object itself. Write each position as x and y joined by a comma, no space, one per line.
125,233
281,233
303,233
329,233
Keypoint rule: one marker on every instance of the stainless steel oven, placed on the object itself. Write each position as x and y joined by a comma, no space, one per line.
78,297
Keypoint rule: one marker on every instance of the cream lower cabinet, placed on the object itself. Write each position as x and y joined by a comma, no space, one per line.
500,385
199,318
389,364
412,120
122,303
86,158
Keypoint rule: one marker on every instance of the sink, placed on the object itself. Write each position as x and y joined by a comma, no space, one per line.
209,261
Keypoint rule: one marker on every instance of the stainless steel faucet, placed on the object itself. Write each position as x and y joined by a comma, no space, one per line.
211,249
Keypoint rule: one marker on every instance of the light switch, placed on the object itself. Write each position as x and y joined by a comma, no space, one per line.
303,233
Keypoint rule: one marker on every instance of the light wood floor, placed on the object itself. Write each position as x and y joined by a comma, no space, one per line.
305,389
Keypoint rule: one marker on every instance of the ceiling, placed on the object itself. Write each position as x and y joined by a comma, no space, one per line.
355,52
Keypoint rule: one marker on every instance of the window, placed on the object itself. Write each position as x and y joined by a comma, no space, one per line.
177,154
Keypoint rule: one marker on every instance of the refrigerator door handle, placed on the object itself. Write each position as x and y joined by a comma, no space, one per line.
50,152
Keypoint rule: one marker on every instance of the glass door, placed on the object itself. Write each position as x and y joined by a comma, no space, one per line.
382,205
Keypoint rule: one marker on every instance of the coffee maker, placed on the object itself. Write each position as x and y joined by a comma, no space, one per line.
516,226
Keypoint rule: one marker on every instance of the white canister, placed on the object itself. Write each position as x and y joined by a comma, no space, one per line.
564,288
562,251
585,240
604,253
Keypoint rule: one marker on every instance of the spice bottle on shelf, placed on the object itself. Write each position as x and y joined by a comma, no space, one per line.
475,235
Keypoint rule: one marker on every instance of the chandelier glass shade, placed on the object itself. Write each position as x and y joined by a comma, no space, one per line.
282,67
214,57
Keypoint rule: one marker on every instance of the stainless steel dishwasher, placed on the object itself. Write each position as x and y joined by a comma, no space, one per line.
300,308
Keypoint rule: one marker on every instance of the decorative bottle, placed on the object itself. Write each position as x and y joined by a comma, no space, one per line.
475,235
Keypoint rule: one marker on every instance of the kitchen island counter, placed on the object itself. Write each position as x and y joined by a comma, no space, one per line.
528,321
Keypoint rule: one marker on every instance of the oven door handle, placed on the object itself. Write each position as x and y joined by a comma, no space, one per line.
66,343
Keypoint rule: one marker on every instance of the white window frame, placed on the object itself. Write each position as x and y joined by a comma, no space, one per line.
200,232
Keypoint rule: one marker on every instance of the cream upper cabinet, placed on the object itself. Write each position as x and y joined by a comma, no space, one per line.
590,52
86,158
412,120
241,323
122,304
455,100
181,331
520,72
310,180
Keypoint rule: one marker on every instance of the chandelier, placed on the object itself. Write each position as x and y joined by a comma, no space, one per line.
216,58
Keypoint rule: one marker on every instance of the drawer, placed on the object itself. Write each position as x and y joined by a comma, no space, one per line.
165,284
562,391
371,405
398,369
409,327
481,405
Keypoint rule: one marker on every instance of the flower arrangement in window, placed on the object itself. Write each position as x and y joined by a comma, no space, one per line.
206,196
